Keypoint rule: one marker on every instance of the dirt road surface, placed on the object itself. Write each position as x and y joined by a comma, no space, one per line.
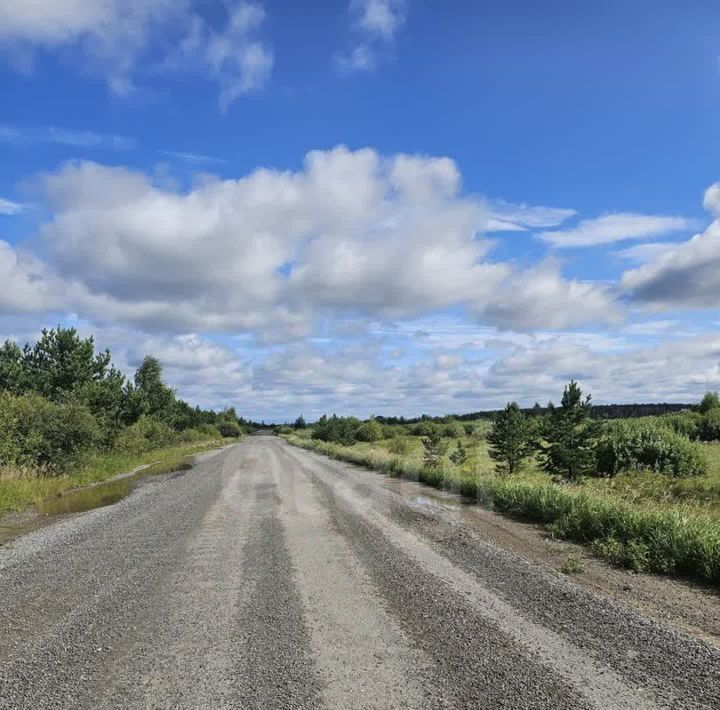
270,577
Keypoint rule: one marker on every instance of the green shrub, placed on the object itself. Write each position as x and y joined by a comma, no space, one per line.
399,445
189,436
478,430
637,445
336,429
572,565
146,434
609,548
459,455
285,430
454,430
210,431
37,433
229,429
199,433
369,431
423,428
710,425
687,423
633,554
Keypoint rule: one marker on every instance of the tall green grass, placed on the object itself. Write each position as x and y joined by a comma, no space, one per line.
644,535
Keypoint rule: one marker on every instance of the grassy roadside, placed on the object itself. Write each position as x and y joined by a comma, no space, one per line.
643,532
19,491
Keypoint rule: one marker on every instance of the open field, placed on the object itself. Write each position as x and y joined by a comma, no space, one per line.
641,520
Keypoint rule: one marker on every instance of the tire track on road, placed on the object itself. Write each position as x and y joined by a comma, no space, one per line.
477,663
274,667
362,656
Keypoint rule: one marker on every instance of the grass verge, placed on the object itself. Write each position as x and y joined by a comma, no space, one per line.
21,490
641,536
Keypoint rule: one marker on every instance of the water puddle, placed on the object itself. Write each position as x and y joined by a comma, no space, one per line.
473,513
80,500
86,499
421,495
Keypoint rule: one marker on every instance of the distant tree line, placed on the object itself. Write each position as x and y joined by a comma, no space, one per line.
599,411
350,430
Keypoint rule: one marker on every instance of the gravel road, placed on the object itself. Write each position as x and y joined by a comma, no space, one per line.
271,577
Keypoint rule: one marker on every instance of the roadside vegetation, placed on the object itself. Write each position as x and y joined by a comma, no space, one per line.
69,418
643,492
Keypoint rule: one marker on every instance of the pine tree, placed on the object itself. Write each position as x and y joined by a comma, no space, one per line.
13,376
569,436
459,455
435,448
156,398
61,361
512,438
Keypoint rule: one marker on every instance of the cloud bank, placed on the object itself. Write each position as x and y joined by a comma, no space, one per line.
273,252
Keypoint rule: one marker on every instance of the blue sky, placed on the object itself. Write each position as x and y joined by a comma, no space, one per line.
374,206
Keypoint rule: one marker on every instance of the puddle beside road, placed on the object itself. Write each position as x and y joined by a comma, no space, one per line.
422,495
87,498
80,500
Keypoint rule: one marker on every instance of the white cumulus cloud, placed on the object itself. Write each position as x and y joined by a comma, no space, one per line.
272,252
27,285
542,298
